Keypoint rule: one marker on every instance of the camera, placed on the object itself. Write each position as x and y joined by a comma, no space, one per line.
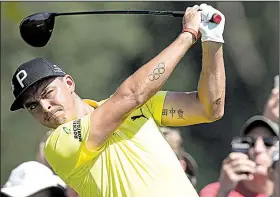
240,144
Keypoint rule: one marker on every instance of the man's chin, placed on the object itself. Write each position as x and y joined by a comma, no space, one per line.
56,123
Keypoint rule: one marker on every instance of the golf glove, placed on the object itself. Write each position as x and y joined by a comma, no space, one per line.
211,31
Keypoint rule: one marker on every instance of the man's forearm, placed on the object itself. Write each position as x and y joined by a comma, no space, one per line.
136,90
211,87
148,80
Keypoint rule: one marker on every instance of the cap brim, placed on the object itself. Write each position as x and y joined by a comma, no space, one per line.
25,191
253,121
17,104
18,191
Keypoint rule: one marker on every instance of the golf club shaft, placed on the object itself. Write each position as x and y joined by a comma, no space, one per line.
148,12
216,18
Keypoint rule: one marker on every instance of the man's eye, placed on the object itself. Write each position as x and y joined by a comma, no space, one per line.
32,106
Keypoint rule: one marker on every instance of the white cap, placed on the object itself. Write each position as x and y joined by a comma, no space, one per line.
29,178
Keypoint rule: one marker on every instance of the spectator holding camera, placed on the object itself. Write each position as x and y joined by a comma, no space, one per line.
246,173
271,111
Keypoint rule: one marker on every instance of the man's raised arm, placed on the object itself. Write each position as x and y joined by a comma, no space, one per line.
211,87
143,84
206,104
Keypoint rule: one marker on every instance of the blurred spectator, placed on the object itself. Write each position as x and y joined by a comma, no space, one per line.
271,111
188,163
271,107
32,179
173,137
245,173
42,159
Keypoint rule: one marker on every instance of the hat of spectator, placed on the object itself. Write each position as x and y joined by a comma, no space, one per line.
29,178
260,120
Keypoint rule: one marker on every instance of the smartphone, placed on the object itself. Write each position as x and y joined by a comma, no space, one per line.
240,144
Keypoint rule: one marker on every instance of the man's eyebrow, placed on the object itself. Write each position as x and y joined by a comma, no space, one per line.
29,103
44,91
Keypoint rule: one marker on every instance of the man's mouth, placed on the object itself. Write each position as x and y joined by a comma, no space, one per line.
49,117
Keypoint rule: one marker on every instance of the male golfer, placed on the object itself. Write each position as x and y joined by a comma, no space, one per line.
114,148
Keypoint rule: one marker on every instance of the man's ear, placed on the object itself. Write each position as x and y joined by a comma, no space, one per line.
70,83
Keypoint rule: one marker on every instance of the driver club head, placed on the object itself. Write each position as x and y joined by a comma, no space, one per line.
36,29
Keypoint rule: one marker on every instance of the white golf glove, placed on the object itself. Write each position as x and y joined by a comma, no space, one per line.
211,31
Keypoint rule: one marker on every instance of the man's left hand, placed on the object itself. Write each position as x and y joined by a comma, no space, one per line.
211,31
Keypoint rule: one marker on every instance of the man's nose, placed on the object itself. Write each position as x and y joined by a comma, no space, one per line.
259,145
46,106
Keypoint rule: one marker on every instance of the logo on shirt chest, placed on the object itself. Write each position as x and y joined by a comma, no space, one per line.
77,129
66,130
133,118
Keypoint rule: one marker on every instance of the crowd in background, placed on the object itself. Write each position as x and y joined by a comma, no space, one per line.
249,170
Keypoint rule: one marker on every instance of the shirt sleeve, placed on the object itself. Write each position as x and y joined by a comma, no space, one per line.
155,106
66,150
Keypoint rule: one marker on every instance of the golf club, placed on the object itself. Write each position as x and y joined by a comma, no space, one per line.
36,29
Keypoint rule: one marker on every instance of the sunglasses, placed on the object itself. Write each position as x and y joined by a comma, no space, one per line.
251,141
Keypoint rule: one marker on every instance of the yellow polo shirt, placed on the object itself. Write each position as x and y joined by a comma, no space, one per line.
135,161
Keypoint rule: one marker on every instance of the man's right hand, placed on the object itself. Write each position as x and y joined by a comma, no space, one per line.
192,18
236,167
